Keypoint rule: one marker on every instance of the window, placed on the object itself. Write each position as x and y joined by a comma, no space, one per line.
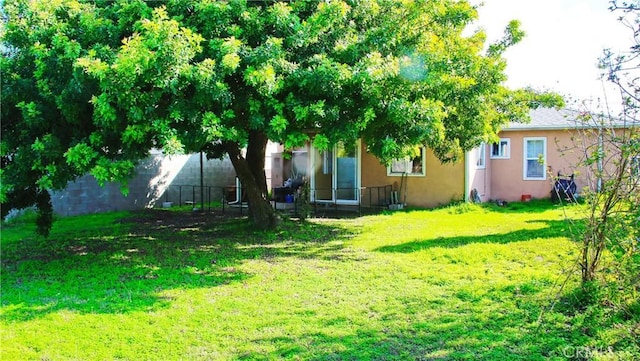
535,158
500,150
412,166
635,166
481,152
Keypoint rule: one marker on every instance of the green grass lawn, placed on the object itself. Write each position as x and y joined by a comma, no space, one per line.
458,283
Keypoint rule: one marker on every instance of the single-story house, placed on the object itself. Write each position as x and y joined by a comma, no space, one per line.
348,175
530,157
522,164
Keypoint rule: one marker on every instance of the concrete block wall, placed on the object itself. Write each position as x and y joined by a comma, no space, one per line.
157,179
185,186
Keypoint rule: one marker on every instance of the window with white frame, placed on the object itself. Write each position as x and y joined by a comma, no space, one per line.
482,157
411,166
535,158
500,150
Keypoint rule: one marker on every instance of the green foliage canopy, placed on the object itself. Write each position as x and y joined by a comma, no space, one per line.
91,86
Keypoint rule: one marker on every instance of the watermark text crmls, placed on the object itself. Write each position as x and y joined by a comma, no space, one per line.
584,352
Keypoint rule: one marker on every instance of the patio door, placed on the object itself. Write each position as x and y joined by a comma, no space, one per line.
336,174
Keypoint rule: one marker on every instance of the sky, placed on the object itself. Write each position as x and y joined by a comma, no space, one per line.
564,40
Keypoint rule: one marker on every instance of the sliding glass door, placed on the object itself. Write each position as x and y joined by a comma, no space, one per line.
336,175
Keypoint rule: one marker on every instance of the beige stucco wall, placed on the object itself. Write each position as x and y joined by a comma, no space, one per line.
442,183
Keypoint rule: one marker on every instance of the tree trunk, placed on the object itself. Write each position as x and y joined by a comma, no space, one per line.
255,158
250,170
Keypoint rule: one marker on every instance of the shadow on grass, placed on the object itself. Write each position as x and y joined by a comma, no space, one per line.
126,265
552,229
533,206
464,333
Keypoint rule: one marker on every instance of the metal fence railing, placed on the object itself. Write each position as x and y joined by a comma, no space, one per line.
336,199
206,198
218,197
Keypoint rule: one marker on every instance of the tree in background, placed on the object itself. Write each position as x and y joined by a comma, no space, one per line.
614,217
92,86
607,147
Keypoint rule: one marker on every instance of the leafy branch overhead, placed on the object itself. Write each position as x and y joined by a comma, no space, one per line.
102,82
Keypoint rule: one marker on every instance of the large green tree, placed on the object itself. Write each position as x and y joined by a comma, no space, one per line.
92,86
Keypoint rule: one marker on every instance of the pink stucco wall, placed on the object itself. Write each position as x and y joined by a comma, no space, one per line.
507,178
479,176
